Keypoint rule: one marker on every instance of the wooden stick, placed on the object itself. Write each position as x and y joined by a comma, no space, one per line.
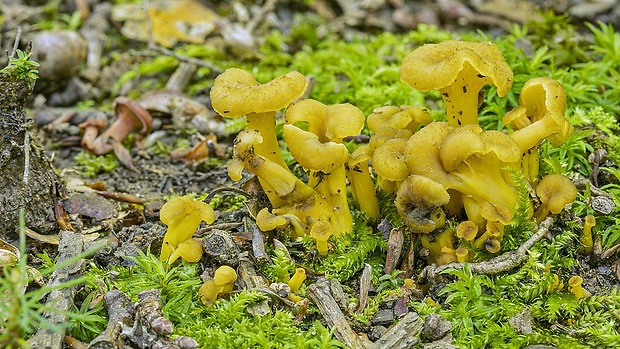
321,295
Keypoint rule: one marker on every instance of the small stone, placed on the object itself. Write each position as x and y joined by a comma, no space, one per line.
281,288
522,322
383,317
603,205
376,332
435,328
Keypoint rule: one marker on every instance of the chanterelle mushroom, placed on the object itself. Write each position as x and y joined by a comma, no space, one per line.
459,70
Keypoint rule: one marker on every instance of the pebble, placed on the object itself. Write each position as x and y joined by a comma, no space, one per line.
383,317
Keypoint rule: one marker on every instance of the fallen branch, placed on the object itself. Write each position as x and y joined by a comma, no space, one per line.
321,295
60,299
504,262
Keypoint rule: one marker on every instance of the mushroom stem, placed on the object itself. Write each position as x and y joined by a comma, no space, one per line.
532,135
332,187
363,189
461,97
265,123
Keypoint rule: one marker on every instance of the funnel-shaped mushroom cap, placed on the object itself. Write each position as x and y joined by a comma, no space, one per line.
545,102
182,215
236,92
224,275
467,230
311,153
556,191
460,144
434,66
388,160
405,117
328,122
458,70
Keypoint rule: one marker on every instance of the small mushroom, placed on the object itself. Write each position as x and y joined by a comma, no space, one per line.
182,215
587,243
190,250
554,191
418,201
575,287
321,231
467,230
297,279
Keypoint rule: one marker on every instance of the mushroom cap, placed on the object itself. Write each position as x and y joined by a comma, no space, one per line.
492,245
311,153
434,66
575,280
208,292
399,118
422,152
177,210
502,145
190,250
328,122
267,221
139,118
388,160
516,118
545,98
224,275
236,92
495,212
459,144
556,191
422,192
467,230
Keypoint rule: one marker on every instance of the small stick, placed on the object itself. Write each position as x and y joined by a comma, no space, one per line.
120,311
18,36
498,264
364,287
405,334
258,245
60,300
321,295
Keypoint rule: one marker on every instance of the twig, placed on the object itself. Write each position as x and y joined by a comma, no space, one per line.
60,299
26,157
269,6
498,264
321,295
230,189
405,334
18,36
120,312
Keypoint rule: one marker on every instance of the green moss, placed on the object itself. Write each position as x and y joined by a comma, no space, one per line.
91,165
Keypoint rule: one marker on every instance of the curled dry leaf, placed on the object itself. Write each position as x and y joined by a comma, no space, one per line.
185,112
208,147
9,254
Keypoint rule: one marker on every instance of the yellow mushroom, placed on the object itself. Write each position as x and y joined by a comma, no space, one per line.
297,279
554,191
539,116
236,93
467,230
190,250
459,70
575,287
418,201
587,243
182,215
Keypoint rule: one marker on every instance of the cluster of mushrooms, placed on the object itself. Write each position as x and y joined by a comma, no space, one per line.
435,169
